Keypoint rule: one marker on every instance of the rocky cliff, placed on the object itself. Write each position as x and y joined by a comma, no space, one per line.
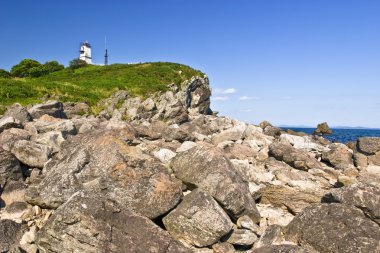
163,174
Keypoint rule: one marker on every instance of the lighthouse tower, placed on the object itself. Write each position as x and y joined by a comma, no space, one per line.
85,52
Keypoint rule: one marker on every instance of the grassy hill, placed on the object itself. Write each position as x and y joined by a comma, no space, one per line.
93,83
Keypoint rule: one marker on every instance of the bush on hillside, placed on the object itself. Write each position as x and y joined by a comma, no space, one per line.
45,69
22,69
77,63
4,74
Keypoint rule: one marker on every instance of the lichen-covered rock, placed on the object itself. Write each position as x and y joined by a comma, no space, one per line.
31,153
10,168
334,228
363,196
297,158
88,223
207,168
10,234
102,161
368,145
323,128
198,220
52,108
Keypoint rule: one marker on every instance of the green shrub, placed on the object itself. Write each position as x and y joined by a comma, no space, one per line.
22,69
45,69
77,63
4,74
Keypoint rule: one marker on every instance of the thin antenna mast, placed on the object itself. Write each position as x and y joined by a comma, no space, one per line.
106,54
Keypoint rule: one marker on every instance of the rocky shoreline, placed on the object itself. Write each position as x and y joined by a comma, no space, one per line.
165,174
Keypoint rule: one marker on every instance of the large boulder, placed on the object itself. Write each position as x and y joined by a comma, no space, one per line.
9,122
363,196
206,167
10,234
88,223
10,136
339,155
102,161
31,153
299,159
368,145
323,128
198,220
52,108
18,112
197,93
10,168
334,228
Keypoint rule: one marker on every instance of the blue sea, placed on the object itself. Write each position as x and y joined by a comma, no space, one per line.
342,135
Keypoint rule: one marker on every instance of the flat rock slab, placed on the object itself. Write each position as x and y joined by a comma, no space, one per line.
198,220
207,168
334,228
103,161
87,223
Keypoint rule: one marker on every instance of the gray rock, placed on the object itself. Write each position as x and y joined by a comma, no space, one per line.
282,249
197,93
368,145
223,247
31,153
10,168
334,228
103,162
52,108
48,123
76,109
10,234
52,139
363,196
232,134
339,155
9,122
297,158
207,168
242,237
271,236
247,223
198,220
18,112
272,131
149,105
14,191
10,136
87,223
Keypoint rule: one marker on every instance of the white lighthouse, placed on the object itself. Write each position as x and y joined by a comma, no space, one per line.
85,52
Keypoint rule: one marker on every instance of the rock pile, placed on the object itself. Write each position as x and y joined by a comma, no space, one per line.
163,174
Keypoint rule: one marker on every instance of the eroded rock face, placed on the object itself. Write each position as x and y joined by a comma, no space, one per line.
369,145
87,223
363,196
334,228
198,220
297,158
207,168
102,161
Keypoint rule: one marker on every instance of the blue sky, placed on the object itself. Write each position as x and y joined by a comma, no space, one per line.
292,62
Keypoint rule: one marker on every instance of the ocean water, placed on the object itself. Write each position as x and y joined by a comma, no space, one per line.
343,135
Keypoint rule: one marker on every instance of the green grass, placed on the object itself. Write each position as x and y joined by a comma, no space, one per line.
92,83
